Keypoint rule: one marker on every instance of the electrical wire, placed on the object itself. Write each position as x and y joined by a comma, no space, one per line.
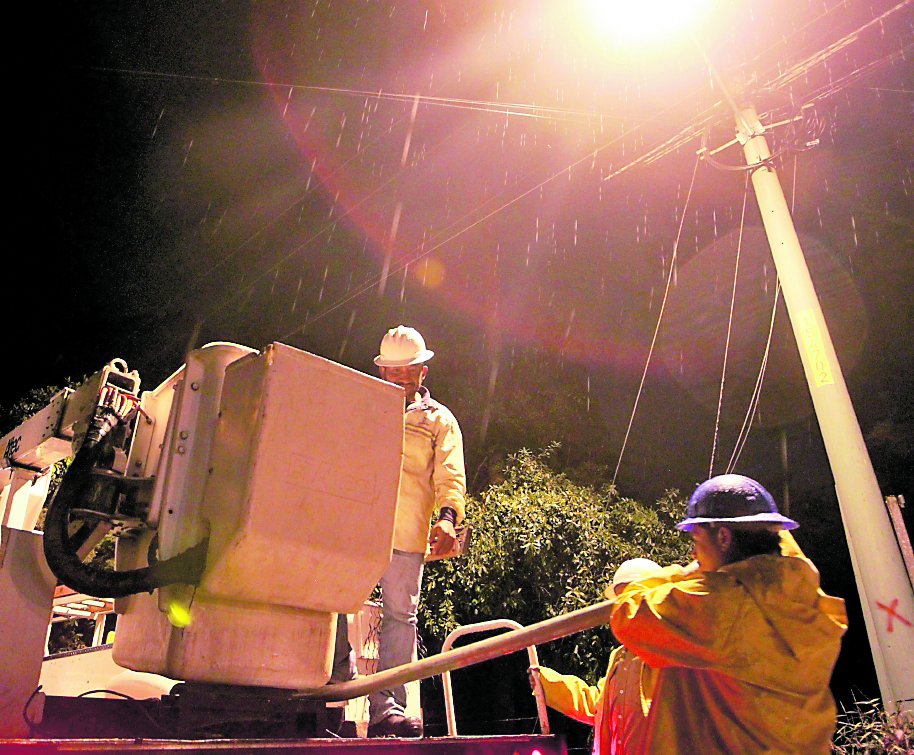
683,136
375,281
801,69
491,106
139,706
462,224
783,145
33,726
666,293
697,125
752,407
521,109
723,372
508,109
757,391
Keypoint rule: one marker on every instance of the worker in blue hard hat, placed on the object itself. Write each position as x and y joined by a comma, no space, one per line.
743,640
618,704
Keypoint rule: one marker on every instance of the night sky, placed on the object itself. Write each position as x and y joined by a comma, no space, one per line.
511,179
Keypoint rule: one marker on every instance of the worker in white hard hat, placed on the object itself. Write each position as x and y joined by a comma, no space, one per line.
432,487
619,703
742,641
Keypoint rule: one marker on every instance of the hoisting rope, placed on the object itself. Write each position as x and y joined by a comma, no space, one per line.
666,293
723,371
757,390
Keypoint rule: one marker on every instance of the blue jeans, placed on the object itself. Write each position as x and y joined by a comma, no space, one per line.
400,587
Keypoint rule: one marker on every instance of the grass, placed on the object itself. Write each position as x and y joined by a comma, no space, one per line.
867,729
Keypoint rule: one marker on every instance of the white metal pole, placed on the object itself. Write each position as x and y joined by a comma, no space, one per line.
885,590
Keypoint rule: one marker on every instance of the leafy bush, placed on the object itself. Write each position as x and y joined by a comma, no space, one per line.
868,730
543,546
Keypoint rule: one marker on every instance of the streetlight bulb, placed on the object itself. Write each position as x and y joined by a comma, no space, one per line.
629,22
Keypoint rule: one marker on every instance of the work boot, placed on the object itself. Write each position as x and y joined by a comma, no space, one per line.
396,725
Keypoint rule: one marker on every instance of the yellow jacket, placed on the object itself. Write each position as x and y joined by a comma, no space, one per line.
433,473
616,707
743,656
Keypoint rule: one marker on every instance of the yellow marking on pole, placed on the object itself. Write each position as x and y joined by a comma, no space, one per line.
815,350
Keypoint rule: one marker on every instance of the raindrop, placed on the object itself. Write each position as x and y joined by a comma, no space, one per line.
346,336
342,128
219,222
320,294
295,299
570,323
187,152
403,283
158,121
311,174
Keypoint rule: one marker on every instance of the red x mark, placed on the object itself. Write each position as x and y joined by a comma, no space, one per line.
893,615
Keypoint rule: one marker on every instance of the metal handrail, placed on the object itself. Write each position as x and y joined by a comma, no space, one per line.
476,652
484,626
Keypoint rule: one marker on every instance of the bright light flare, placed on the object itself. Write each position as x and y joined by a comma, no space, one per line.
633,22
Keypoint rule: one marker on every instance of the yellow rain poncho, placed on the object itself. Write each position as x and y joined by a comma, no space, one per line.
616,707
742,656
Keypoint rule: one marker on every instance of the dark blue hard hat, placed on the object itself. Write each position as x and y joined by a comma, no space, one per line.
732,498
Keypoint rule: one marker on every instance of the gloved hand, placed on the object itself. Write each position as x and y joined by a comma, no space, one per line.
442,538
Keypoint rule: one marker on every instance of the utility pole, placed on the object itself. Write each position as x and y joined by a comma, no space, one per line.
882,581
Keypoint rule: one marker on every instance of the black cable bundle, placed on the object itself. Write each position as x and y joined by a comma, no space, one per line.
60,548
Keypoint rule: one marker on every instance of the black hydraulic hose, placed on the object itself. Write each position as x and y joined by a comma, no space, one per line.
186,568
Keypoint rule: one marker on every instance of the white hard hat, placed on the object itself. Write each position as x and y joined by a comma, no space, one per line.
633,570
402,346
